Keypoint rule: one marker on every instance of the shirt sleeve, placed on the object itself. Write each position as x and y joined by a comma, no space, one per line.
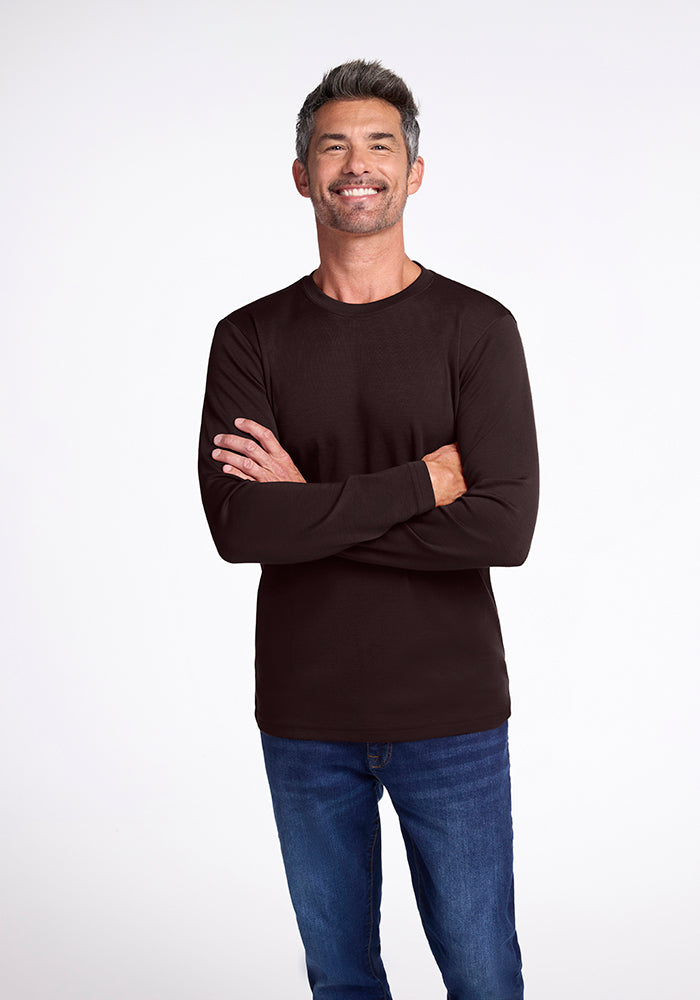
287,522
492,524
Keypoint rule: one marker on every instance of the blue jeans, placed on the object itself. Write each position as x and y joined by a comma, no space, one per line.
452,796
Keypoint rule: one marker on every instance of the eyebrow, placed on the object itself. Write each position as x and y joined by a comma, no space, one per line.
374,136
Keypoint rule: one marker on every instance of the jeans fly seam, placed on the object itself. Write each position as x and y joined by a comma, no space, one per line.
374,756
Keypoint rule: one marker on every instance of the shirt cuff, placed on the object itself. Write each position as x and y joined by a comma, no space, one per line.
423,484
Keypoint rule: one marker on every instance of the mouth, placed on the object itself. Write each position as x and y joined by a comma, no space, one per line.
355,191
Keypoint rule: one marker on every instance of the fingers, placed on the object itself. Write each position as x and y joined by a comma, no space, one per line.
239,465
241,452
264,435
230,471
265,462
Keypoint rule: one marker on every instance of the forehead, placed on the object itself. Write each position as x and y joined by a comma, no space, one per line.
362,115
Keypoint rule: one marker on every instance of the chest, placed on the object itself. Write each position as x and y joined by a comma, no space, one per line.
363,398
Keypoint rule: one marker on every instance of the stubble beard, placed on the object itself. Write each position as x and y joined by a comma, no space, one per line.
359,218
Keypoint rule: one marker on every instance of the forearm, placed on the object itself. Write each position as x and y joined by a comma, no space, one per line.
478,529
299,522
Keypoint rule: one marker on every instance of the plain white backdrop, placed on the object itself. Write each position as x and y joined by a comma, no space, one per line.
148,192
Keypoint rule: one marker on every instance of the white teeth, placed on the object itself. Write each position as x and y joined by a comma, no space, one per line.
356,192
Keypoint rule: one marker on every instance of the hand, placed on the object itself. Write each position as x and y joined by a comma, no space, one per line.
266,462
445,468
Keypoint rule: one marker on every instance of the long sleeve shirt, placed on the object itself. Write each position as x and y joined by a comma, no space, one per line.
376,618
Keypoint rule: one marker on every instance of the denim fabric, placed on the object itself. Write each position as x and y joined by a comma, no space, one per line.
452,796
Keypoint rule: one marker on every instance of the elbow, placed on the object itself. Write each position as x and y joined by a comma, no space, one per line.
229,543
232,542
517,554
226,547
519,549
229,553
515,543
507,513
236,547
508,554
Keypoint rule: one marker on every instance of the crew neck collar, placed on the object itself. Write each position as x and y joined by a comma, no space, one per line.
313,292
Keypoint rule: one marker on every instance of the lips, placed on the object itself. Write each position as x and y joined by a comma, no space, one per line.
356,190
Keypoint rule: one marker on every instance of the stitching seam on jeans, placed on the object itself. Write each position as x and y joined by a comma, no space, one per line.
371,905
374,756
419,887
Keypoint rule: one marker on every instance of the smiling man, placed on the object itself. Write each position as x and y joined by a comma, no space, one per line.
368,437
358,179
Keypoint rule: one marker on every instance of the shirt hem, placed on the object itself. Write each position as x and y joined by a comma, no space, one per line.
387,734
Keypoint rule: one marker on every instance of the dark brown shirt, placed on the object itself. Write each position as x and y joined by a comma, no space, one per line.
376,619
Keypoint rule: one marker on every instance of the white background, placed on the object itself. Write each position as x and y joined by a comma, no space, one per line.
148,190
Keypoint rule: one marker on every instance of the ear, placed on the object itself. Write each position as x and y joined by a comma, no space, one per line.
415,175
301,178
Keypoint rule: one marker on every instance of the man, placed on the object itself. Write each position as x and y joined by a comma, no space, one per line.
368,437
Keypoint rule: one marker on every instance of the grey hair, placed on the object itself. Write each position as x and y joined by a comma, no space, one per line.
353,81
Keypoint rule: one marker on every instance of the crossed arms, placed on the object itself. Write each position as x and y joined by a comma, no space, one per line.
419,515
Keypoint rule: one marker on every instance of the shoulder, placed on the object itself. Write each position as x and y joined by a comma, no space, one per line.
488,332
273,304
478,309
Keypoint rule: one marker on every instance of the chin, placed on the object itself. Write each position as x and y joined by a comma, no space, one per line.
361,224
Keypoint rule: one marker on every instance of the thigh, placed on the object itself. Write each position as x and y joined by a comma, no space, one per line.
326,810
452,796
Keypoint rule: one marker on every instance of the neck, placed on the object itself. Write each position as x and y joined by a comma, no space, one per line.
363,267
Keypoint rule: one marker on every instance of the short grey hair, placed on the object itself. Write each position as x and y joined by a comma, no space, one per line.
356,80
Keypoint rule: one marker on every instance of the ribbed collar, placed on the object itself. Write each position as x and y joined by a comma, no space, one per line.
423,281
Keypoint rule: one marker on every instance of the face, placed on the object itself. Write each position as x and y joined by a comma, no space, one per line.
357,175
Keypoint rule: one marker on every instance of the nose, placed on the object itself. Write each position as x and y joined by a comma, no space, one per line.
356,161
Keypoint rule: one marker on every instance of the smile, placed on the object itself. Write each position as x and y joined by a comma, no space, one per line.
356,192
